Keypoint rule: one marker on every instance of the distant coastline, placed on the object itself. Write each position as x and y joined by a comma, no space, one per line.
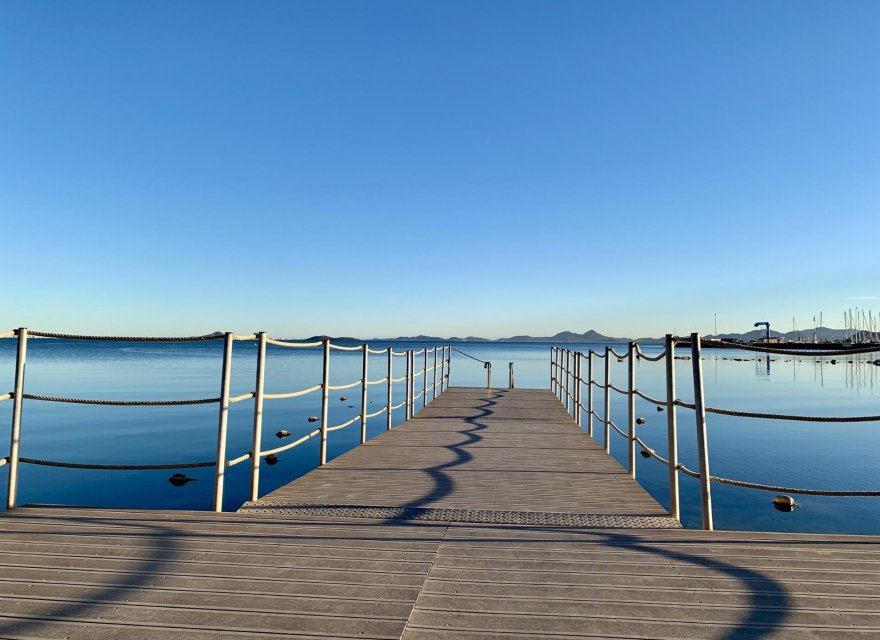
594,336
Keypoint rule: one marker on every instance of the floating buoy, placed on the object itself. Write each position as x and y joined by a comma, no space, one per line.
834,362
640,421
351,406
342,398
271,459
283,434
645,453
180,479
659,409
313,418
784,503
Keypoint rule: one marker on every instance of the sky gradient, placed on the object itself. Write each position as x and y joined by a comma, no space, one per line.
451,168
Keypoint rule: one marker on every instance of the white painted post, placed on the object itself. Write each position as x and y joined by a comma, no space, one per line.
702,439
608,400
442,369
512,381
568,381
434,371
258,415
17,401
552,370
631,406
366,369
488,375
223,421
449,367
577,387
409,394
390,389
325,402
672,428
425,381
590,393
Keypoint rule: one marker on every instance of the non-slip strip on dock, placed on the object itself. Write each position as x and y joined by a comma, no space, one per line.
535,518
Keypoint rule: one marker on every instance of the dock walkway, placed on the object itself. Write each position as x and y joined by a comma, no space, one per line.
488,515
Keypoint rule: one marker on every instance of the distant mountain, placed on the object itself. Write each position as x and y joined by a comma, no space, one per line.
569,337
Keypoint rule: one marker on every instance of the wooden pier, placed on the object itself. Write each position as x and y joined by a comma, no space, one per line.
490,514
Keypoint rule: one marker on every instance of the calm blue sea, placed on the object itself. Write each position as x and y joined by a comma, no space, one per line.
838,456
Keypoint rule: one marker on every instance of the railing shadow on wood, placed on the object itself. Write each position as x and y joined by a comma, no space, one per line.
443,353
567,381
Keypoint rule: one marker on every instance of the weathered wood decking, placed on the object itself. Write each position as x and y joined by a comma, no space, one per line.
423,534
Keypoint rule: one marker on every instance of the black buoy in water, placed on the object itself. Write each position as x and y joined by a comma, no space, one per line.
645,453
313,418
180,479
283,434
659,409
784,503
271,459
342,398
640,421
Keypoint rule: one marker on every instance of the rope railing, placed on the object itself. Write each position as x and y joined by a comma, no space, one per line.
377,413
643,356
339,347
119,403
377,352
344,424
469,356
343,387
218,335
293,345
225,400
567,381
644,396
289,445
778,416
292,394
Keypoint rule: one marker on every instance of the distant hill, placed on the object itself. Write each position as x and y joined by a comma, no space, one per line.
564,337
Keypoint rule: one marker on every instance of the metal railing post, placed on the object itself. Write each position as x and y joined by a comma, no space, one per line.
702,440
256,442
568,381
672,428
434,371
325,402
631,407
512,381
15,434
488,375
608,400
590,392
449,367
425,381
366,369
552,370
577,387
409,369
390,388
223,421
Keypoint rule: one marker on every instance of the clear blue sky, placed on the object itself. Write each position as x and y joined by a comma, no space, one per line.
483,168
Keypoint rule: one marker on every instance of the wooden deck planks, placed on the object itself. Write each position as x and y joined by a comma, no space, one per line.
498,450
272,572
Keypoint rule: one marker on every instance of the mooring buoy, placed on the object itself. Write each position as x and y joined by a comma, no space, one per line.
180,479
784,503
283,434
313,418
640,421
659,409
645,453
271,459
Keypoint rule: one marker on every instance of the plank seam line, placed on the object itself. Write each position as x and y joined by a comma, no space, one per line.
424,584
